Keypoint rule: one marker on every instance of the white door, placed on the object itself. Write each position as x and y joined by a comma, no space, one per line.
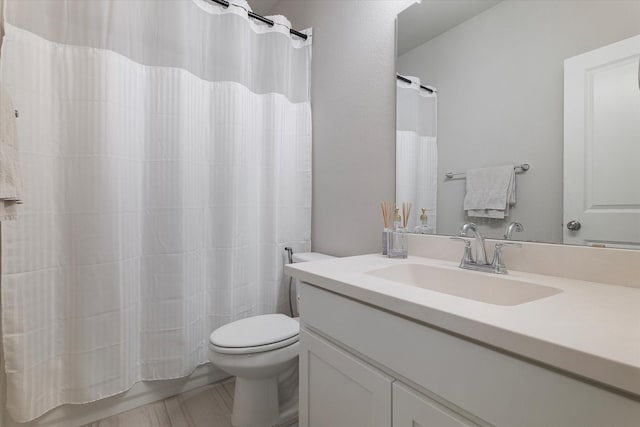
602,146
337,390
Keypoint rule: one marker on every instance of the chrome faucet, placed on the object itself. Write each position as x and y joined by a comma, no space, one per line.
480,262
510,229
481,252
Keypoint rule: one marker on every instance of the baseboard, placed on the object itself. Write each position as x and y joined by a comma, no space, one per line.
139,395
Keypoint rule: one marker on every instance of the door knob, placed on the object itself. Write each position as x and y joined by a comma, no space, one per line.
574,225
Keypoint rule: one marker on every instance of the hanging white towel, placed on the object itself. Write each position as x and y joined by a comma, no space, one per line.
490,191
10,180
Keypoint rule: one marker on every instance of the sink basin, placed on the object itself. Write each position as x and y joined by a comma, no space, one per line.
484,287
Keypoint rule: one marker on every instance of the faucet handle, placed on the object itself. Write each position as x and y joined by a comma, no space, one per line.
500,245
467,257
467,241
498,265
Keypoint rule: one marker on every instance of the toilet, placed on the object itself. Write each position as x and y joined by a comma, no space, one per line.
258,351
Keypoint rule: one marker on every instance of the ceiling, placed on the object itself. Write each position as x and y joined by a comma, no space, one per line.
422,22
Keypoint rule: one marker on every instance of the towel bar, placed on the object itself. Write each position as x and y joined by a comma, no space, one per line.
519,168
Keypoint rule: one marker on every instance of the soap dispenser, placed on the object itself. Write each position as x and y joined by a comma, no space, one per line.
424,228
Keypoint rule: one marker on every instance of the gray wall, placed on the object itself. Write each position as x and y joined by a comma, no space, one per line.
353,102
500,85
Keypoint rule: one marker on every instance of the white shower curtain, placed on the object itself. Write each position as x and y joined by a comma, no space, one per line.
417,150
166,152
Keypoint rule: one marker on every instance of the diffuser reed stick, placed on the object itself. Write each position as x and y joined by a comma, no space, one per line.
406,211
387,213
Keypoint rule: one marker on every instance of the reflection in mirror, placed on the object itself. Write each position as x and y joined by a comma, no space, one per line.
499,70
417,152
602,142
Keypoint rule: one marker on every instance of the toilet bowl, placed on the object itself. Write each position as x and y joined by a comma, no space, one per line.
257,351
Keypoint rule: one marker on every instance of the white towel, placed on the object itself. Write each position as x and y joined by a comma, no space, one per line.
10,179
490,191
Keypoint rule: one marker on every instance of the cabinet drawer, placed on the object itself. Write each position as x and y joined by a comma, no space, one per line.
412,409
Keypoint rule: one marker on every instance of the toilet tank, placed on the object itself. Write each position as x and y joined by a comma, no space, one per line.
305,257
310,256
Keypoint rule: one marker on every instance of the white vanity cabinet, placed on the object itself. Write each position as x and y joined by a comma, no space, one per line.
363,366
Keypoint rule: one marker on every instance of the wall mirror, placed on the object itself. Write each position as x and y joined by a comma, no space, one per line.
550,87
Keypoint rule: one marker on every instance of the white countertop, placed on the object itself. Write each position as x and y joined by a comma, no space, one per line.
590,329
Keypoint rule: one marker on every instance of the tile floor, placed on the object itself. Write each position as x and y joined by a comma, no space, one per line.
208,406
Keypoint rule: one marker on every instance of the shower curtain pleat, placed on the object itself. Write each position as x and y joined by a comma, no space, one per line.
417,150
162,181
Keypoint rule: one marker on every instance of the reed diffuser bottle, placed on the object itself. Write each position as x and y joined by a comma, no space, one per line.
387,218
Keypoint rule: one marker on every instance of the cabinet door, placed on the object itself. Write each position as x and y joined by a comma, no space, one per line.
412,409
337,389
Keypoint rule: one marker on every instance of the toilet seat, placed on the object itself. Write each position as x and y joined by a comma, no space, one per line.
254,349
255,334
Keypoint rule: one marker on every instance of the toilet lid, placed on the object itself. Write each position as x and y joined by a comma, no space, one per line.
256,331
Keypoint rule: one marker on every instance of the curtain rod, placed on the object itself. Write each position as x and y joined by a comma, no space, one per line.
261,18
406,80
